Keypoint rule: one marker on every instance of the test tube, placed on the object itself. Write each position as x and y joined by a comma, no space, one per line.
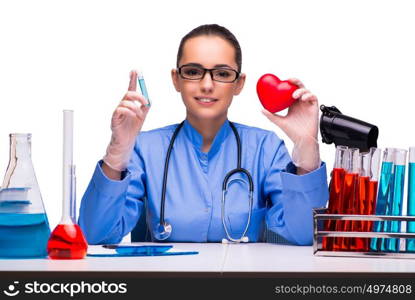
375,157
372,190
336,193
410,243
143,87
384,195
349,196
395,205
359,244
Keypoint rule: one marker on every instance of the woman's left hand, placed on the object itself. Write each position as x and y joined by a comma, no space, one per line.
301,126
301,120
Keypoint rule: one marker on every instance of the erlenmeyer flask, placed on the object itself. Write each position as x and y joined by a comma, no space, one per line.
24,226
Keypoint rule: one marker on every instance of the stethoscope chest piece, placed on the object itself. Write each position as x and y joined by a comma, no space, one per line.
163,231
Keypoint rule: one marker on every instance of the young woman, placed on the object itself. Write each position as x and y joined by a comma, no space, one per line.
185,203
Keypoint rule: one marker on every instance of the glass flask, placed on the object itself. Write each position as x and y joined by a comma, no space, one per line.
67,240
24,226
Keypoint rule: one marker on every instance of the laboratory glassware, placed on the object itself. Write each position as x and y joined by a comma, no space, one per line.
410,243
375,155
395,206
67,240
349,197
358,244
24,226
384,195
336,190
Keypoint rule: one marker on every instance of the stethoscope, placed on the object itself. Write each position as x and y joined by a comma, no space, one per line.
163,229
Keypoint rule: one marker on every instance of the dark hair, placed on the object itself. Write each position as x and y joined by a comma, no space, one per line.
213,29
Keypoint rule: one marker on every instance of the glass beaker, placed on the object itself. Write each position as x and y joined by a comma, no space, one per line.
24,226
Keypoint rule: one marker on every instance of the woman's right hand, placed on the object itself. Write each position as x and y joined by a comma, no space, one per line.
126,123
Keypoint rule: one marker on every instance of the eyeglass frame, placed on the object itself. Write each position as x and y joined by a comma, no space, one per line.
205,70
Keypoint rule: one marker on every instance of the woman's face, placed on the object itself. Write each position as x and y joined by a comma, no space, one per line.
206,99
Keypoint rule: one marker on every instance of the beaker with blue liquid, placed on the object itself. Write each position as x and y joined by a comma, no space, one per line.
24,226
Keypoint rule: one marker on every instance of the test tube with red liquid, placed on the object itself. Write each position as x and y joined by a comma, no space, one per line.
358,244
67,240
375,158
336,190
349,199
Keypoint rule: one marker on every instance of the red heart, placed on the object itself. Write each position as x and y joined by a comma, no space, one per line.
274,94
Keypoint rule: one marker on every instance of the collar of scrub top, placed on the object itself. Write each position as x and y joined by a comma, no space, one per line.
197,139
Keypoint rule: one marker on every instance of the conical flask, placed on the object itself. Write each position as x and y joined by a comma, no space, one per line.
67,240
24,226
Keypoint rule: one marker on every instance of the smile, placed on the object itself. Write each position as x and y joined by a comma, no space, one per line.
206,99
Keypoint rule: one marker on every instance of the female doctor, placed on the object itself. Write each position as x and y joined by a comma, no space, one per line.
272,189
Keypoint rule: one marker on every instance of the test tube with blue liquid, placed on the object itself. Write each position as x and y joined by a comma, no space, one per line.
395,206
143,87
410,243
384,197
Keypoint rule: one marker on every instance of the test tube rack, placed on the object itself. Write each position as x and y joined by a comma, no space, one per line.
320,215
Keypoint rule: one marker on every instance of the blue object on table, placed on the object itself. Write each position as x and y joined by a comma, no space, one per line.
132,250
136,250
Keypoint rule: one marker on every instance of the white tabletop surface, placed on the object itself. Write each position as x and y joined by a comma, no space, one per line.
261,257
221,258
210,259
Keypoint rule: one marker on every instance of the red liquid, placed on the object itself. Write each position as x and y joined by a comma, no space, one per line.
336,187
350,194
67,242
359,244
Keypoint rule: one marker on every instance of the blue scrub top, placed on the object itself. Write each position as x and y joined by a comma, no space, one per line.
283,200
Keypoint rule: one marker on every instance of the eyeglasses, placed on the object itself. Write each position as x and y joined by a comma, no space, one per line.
192,72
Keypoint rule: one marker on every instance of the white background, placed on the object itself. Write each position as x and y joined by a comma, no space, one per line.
55,55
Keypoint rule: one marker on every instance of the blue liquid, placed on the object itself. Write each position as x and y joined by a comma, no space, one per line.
143,89
410,243
23,235
395,207
384,197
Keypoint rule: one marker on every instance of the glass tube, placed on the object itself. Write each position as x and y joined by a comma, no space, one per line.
375,158
410,243
359,244
384,194
349,195
395,206
336,193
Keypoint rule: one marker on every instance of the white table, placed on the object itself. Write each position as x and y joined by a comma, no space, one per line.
265,258
221,259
